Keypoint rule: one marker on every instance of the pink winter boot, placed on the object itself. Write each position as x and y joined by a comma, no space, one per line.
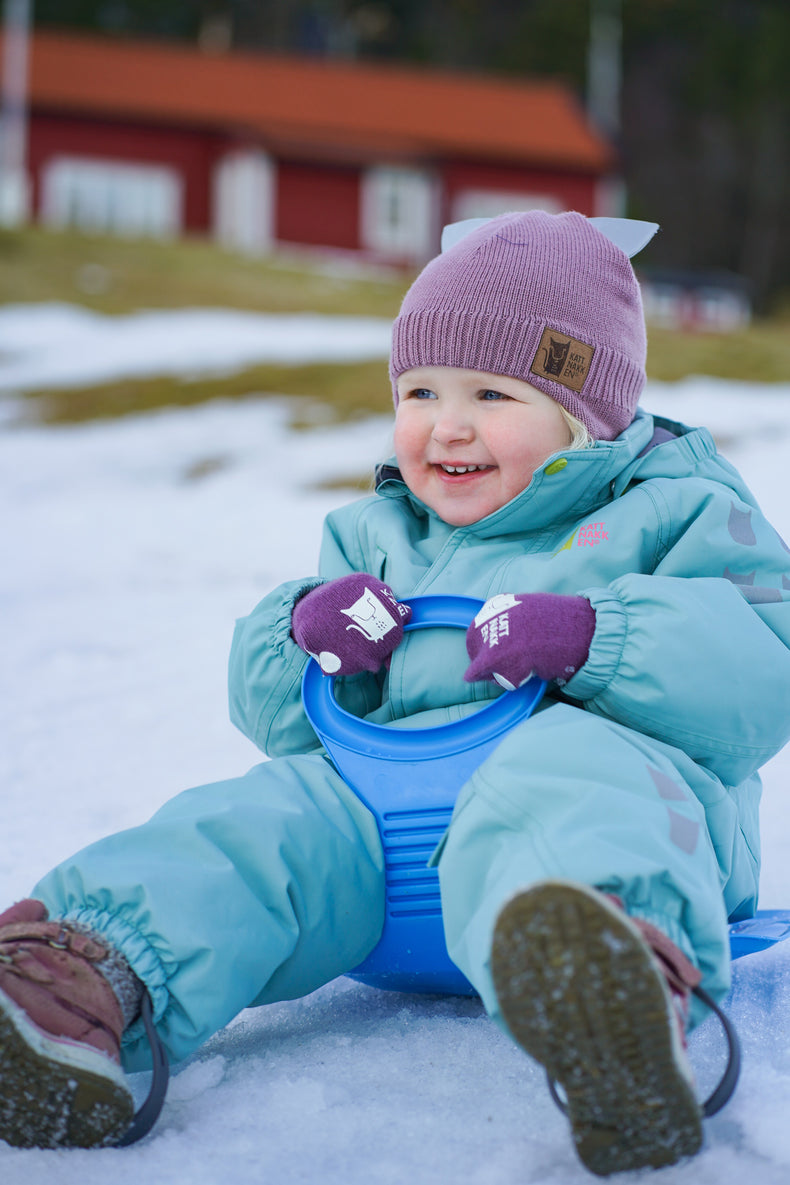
61,1084
601,1001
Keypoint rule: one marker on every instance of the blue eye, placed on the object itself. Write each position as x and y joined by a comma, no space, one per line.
491,396
421,393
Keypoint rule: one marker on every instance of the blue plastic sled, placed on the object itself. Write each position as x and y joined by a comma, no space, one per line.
410,778
767,927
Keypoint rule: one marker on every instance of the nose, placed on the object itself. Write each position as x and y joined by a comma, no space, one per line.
452,426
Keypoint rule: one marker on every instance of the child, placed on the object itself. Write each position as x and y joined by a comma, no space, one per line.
594,858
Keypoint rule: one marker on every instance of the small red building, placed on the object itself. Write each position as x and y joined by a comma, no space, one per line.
257,150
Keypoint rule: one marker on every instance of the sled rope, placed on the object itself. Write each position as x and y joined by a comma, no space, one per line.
147,1115
729,1078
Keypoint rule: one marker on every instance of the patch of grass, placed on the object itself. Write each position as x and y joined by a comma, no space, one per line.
322,393
360,482
760,353
116,275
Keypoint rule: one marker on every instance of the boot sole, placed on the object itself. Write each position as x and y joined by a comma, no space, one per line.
580,992
57,1093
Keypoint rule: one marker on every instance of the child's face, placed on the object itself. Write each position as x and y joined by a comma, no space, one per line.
449,419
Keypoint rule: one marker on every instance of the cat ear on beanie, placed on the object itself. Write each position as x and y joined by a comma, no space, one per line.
350,624
550,299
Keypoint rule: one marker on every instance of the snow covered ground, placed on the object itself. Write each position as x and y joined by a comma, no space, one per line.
127,549
68,346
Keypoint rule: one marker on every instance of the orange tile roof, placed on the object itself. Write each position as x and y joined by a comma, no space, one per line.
283,99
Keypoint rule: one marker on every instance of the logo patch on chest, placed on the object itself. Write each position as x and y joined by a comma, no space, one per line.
590,535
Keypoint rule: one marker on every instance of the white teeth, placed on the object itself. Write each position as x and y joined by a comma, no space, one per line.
463,468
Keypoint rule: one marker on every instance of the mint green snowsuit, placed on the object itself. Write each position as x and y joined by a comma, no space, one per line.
640,778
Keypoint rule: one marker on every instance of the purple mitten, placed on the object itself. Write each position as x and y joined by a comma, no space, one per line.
349,625
540,634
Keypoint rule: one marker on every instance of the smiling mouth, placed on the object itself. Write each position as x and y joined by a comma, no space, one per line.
454,470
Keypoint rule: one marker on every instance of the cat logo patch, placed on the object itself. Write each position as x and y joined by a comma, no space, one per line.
563,359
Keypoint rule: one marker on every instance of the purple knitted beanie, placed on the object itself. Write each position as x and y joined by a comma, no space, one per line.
546,298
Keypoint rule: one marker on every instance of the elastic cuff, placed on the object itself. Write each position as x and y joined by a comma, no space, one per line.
606,647
139,954
128,989
306,588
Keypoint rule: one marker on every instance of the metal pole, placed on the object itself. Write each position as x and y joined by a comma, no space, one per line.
603,65
604,84
14,184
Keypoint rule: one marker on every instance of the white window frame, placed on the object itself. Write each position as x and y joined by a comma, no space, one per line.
488,203
399,212
98,195
243,201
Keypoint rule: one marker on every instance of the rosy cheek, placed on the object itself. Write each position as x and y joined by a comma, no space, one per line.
403,455
408,442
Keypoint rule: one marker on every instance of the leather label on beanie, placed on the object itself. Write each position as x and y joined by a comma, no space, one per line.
563,359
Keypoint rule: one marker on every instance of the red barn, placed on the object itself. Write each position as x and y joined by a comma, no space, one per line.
257,150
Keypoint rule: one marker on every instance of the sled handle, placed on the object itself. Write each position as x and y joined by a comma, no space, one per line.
383,741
